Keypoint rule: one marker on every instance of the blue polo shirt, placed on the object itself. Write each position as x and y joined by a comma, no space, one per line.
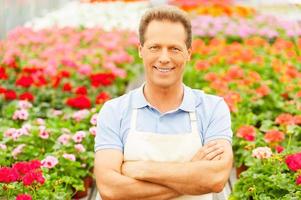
114,119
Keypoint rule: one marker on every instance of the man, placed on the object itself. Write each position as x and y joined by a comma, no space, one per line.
149,142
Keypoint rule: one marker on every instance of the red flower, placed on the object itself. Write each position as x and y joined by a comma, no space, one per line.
2,90
25,167
285,119
235,72
246,132
8,175
211,76
202,65
80,102
263,90
40,81
24,81
32,176
10,95
293,161
64,74
23,197
298,180
274,136
67,87
30,70
3,75
81,90
279,148
102,79
102,97
26,96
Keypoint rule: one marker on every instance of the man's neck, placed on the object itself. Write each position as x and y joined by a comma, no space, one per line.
164,99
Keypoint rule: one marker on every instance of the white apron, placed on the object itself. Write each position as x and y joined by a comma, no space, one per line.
158,147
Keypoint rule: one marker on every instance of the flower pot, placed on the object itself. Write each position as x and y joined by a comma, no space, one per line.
240,169
82,194
89,181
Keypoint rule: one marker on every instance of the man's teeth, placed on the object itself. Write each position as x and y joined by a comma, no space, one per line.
164,69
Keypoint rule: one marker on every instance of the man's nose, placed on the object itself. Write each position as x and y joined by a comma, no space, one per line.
164,56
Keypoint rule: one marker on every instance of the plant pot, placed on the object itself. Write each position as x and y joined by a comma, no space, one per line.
82,194
240,169
89,181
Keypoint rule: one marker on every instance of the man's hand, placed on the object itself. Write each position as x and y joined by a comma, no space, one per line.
210,151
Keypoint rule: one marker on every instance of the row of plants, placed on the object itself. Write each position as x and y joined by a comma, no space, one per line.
261,82
52,84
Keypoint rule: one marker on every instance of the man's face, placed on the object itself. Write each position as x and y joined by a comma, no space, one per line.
164,53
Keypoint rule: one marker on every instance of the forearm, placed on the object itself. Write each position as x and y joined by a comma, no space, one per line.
115,186
193,178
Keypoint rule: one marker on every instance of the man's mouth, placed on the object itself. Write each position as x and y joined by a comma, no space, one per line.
164,69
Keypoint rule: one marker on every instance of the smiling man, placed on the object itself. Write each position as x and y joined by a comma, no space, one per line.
163,140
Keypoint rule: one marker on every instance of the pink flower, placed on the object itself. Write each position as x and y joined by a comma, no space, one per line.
93,130
26,127
57,112
18,150
20,114
64,139
40,121
279,148
24,105
9,132
78,136
262,152
43,133
93,120
81,114
285,119
23,197
49,162
3,146
69,156
79,148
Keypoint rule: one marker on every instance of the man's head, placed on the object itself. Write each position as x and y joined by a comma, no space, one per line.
165,45
165,13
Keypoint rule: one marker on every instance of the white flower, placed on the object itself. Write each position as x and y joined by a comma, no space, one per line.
69,156
262,152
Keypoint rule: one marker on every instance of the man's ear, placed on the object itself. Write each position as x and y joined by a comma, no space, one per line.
189,54
140,51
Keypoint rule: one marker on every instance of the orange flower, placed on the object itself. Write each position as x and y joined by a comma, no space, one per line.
263,90
246,132
274,136
285,119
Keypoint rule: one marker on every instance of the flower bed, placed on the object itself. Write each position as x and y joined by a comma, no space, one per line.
52,84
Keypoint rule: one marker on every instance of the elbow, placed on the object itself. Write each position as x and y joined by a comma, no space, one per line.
219,183
108,193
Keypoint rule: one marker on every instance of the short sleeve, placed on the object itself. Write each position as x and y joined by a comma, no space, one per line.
219,125
108,129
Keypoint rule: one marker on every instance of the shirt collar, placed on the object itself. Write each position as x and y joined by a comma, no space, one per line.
188,104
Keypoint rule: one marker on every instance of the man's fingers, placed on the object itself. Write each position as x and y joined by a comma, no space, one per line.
213,154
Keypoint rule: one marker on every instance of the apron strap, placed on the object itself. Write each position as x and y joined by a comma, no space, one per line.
193,121
134,119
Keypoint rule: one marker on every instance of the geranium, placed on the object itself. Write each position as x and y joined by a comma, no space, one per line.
279,148
81,114
79,148
285,119
64,139
50,162
274,136
8,175
102,79
78,136
23,197
262,152
26,96
24,105
69,156
80,102
16,151
32,176
24,81
293,161
67,87
93,119
43,133
3,146
246,132
263,90
20,114
3,75
81,90
102,97
298,180
92,130
10,95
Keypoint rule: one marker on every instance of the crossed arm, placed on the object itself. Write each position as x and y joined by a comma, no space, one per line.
207,172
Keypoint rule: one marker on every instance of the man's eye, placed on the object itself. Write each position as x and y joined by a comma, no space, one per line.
176,49
153,48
